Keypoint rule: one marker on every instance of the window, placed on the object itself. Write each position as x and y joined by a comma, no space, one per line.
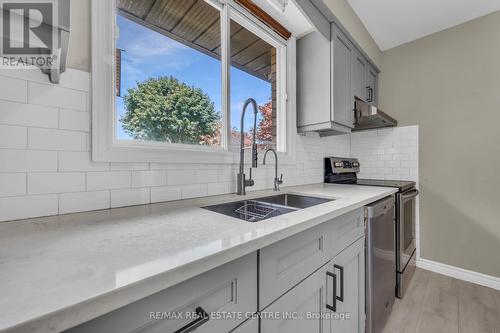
169,85
253,72
171,77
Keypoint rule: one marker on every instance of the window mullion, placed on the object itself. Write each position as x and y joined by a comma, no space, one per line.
226,70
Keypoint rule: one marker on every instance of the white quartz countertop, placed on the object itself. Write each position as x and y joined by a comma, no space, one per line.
58,272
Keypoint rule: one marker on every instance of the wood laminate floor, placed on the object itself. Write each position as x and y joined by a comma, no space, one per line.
436,303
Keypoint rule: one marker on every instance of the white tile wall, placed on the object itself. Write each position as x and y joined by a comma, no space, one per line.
54,162
390,153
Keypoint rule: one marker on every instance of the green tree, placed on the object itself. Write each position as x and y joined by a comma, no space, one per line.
165,109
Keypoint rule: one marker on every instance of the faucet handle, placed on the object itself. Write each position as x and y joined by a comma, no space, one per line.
281,179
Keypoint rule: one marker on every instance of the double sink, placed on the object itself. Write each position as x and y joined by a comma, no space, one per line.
258,209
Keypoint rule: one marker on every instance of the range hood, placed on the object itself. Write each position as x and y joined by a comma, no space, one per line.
367,116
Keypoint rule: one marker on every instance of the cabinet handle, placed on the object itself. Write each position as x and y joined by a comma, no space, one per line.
370,94
334,306
341,269
203,317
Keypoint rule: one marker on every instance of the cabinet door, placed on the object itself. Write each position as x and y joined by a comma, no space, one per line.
359,69
372,83
285,263
313,80
343,101
349,268
290,312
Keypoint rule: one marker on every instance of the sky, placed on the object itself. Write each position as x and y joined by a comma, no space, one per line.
150,54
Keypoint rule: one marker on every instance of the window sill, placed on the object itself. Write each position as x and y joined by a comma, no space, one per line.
133,152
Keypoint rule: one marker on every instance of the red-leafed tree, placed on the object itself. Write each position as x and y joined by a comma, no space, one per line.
263,135
265,127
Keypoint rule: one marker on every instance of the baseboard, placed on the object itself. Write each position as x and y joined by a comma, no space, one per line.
460,273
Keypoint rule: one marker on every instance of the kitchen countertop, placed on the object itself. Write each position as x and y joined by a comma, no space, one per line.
58,272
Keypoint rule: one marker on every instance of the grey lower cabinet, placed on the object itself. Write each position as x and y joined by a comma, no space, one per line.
229,288
312,281
302,309
329,300
349,269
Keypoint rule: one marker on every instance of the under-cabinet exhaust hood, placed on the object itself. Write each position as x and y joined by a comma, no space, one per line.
367,116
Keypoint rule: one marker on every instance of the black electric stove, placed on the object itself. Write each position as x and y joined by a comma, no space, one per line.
344,171
402,185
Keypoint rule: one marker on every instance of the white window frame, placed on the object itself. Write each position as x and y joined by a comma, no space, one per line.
105,145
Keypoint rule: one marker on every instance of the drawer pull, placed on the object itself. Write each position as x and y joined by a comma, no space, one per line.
334,306
341,269
203,317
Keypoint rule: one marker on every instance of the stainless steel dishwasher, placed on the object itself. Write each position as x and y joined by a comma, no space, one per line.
380,263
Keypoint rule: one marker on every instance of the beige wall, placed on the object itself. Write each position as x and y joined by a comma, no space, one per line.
344,13
449,84
79,50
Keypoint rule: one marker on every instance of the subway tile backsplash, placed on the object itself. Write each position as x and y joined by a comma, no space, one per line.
46,167
390,153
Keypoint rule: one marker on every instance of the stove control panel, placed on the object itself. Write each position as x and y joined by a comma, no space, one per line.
339,165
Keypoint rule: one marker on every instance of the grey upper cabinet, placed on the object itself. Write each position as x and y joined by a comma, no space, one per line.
359,71
372,85
323,83
342,50
330,73
313,80
365,79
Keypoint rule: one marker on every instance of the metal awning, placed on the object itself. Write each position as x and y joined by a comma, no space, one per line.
186,22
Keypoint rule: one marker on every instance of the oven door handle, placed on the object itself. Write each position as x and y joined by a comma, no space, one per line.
410,194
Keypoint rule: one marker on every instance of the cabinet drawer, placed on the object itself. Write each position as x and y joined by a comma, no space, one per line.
231,287
292,309
286,263
345,230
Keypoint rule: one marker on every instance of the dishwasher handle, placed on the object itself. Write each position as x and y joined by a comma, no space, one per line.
410,194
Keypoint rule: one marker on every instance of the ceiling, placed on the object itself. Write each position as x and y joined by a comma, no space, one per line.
395,22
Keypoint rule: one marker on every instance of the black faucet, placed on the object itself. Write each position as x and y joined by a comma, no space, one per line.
242,181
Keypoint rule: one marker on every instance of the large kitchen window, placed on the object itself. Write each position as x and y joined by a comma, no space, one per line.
179,73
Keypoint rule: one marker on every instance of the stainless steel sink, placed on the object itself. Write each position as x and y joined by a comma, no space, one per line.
259,209
294,200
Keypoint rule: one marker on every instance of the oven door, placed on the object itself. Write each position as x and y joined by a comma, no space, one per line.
406,243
